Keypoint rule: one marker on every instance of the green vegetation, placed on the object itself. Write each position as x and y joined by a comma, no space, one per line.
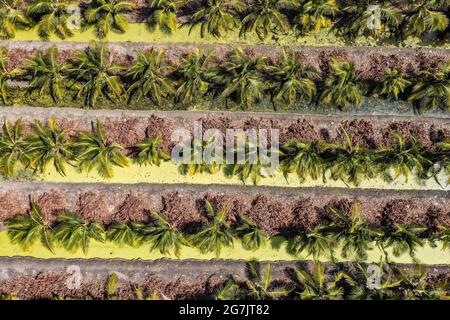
242,81
218,17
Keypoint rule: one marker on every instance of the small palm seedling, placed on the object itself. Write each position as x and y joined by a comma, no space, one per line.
291,80
141,296
5,75
149,152
26,230
303,159
315,14
251,235
343,86
265,17
192,75
197,161
149,77
249,163
95,76
260,285
128,233
162,236
52,17
230,290
46,74
107,15
423,18
74,234
12,148
216,234
402,239
215,17
392,85
353,234
432,91
163,15
316,242
239,78
358,20
11,18
403,159
91,150
48,145
315,286
386,289
348,163
111,286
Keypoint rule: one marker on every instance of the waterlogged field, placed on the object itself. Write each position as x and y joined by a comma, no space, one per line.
168,173
138,32
274,251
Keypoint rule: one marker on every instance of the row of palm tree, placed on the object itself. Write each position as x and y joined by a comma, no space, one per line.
217,17
350,233
47,145
242,78
339,283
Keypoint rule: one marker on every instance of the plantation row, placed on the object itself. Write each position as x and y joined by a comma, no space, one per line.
217,17
48,145
243,79
354,235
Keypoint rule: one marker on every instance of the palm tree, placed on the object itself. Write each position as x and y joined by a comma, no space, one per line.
417,286
253,166
108,15
91,150
74,234
215,17
356,21
47,74
348,163
260,285
164,15
315,14
95,75
291,80
230,290
51,17
352,233
216,234
423,18
192,76
5,75
303,159
26,230
316,242
195,162
149,152
149,76
239,77
343,86
264,17
432,90
443,160
162,236
12,148
111,286
392,85
12,18
129,233
316,286
402,238
48,145
252,236
404,158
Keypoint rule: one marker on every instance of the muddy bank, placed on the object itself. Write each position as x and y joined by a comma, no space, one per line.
28,278
370,62
276,210
131,127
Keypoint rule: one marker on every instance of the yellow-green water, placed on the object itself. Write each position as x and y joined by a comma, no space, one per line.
138,32
168,173
109,250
